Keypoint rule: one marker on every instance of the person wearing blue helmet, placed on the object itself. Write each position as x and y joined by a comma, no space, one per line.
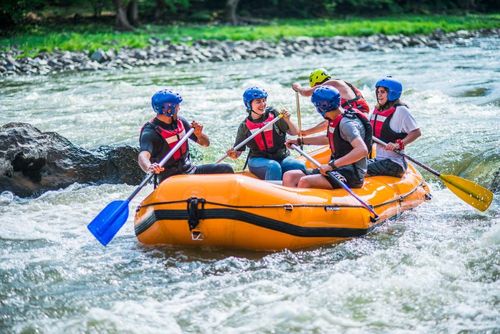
159,136
349,135
269,157
393,123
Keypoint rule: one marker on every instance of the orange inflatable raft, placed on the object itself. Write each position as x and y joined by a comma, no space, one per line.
241,212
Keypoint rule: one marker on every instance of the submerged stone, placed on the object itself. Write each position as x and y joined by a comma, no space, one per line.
32,162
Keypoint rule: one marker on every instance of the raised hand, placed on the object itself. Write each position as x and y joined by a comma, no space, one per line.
296,87
198,128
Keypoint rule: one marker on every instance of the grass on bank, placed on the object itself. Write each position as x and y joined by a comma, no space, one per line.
37,39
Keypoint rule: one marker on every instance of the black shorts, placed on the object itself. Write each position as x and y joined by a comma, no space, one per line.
347,174
385,167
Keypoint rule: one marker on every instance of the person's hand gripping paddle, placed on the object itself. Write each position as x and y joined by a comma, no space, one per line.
109,221
243,143
342,184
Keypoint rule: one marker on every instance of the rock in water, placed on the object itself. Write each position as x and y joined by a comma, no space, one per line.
32,162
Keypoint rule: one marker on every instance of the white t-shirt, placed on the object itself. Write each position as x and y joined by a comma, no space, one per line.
401,121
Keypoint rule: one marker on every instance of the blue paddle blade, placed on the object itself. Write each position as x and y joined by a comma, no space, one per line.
109,221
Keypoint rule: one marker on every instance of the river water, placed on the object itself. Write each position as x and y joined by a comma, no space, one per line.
434,270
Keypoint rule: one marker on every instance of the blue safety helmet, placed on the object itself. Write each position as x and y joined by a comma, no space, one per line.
165,101
325,99
393,86
251,94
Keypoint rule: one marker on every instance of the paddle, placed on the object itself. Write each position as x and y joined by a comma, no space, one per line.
109,221
299,118
334,179
468,191
240,145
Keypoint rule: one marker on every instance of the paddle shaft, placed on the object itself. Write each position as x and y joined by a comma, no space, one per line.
299,118
427,168
109,221
161,163
342,184
240,145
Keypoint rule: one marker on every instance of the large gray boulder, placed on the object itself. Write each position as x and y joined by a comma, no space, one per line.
32,162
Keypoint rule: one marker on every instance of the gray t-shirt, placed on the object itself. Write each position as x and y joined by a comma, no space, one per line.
350,128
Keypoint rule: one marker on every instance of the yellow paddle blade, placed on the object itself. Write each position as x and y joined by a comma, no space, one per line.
470,192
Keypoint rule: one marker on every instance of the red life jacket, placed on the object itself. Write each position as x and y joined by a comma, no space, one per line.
332,125
358,102
172,137
338,145
380,121
265,141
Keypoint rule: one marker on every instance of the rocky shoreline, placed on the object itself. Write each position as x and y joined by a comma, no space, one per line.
165,53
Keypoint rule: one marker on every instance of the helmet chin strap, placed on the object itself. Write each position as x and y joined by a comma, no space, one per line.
252,111
322,113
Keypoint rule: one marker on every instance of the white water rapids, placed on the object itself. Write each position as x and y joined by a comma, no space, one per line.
434,270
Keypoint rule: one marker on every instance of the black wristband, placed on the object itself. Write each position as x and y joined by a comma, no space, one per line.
300,141
332,164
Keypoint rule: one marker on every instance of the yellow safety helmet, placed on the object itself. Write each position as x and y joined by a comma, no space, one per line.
317,77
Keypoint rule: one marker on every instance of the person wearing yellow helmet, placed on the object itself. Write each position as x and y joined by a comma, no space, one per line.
319,76
351,97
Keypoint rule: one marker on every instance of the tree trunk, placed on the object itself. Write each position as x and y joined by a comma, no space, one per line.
121,16
7,21
97,6
230,11
159,10
133,13
471,5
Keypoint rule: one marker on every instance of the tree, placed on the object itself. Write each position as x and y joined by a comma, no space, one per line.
230,11
171,10
13,12
133,13
122,21
160,9
97,7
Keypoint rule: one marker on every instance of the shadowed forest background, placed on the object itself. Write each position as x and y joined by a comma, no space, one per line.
130,14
